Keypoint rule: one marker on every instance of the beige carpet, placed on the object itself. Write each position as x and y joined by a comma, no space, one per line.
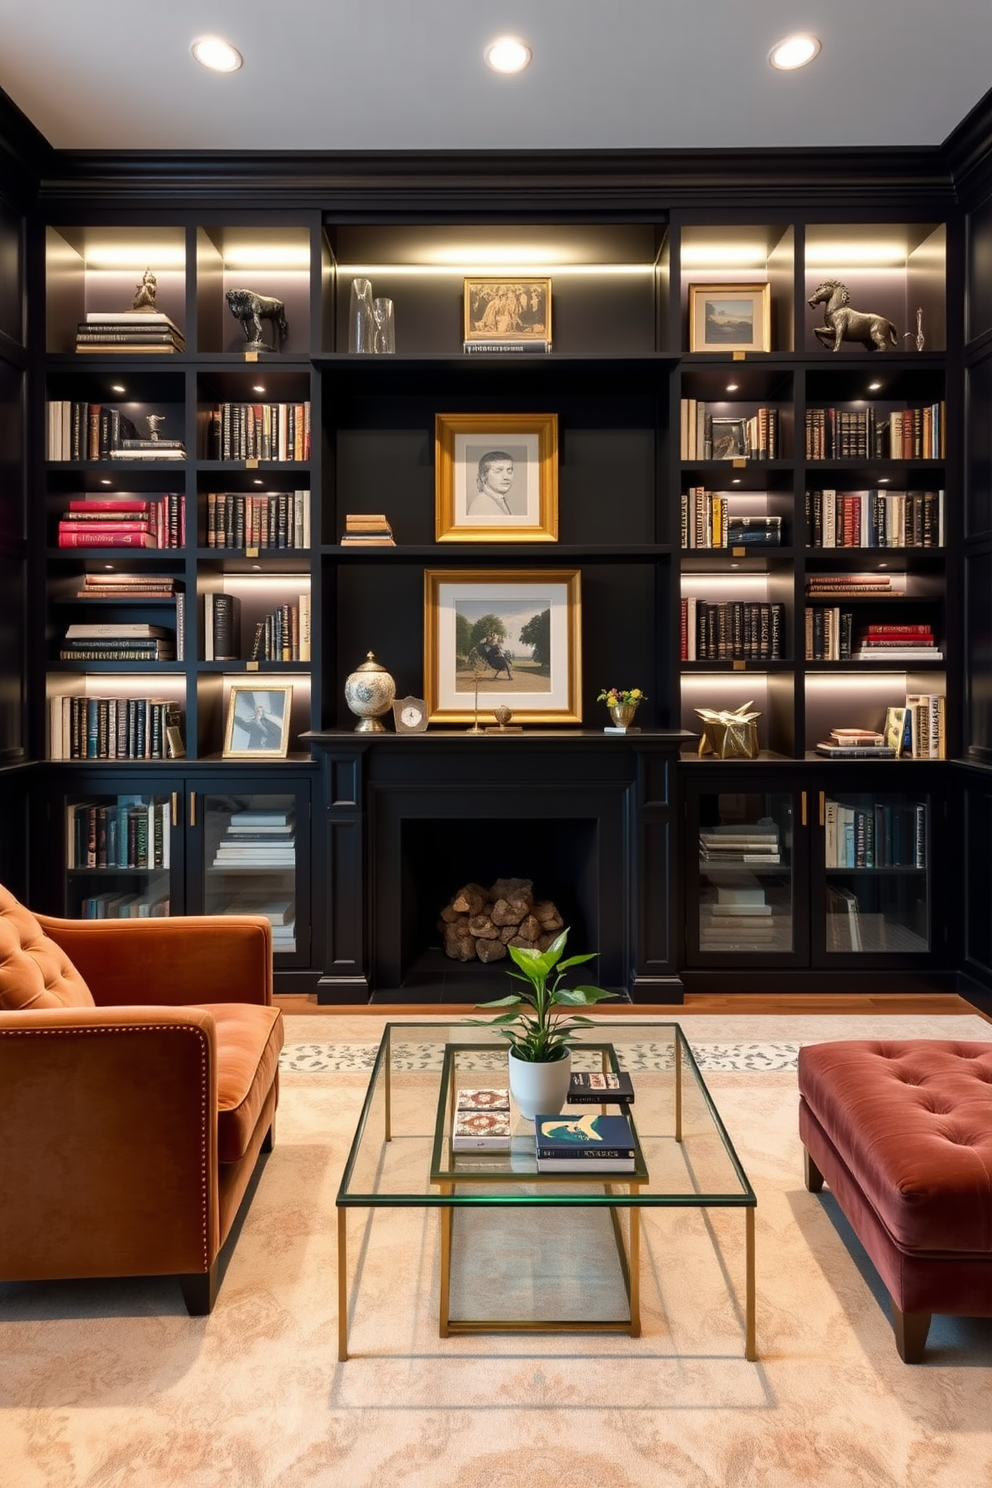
109,1384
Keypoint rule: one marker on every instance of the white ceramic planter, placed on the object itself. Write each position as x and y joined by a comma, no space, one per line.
539,1089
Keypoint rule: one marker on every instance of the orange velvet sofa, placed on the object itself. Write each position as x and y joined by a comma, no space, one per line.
138,1086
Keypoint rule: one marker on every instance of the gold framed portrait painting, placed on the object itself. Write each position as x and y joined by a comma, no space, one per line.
496,477
258,722
507,637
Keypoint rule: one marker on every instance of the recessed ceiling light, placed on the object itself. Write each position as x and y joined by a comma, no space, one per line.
508,54
217,54
794,51
873,387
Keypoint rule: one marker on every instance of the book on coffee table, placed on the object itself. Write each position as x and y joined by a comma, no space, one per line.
577,1144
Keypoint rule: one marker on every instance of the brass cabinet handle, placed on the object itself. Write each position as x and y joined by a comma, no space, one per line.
175,808
192,808
802,808
823,797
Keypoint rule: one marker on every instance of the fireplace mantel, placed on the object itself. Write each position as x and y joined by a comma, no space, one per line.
596,809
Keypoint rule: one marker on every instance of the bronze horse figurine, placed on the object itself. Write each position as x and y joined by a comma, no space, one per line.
841,323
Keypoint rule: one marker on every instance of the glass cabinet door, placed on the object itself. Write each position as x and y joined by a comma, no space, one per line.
745,891
876,850
118,855
255,853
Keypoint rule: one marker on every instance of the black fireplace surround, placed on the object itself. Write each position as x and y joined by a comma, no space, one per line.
411,818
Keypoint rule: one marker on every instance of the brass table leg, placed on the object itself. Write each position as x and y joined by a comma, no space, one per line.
750,1345
635,1271
444,1290
342,1283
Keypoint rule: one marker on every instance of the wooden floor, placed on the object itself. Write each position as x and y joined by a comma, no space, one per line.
850,1003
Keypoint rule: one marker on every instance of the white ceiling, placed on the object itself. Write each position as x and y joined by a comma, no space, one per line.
409,74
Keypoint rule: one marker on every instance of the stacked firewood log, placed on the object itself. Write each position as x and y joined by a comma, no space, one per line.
479,924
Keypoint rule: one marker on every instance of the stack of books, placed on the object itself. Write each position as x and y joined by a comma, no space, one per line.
481,1121
897,642
871,585
367,529
737,915
280,913
118,641
104,586
256,840
853,743
583,1144
600,1088
708,520
749,842
124,522
124,332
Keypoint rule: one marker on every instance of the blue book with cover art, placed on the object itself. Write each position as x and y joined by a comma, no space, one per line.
572,1142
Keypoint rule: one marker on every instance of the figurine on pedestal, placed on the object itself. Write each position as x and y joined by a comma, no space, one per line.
251,309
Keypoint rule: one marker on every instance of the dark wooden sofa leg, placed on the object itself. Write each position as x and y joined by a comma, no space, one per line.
269,1140
814,1178
911,1329
199,1290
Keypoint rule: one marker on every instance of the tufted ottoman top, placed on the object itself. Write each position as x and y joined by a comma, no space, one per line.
912,1120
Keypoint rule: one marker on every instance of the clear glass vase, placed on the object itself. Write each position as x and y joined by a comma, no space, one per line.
385,326
361,322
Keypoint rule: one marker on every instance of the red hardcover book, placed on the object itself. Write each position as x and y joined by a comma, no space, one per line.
86,537
122,504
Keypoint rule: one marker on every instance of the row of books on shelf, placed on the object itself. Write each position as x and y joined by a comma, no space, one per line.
831,636
118,641
731,630
259,431
284,634
79,430
274,519
124,522
857,434
874,519
707,436
708,520
882,834
128,331
100,728
131,832
254,840
125,906
367,529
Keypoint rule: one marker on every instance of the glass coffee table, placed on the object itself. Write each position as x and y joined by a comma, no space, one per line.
401,1157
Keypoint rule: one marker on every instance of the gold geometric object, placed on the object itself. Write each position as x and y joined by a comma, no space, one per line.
729,734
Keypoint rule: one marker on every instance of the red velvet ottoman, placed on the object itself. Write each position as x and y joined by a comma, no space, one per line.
902,1133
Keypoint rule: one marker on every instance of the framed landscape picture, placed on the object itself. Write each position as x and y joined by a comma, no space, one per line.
258,723
496,477
730,317
509,637
508,310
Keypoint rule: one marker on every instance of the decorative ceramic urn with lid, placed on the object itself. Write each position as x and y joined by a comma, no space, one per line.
369,692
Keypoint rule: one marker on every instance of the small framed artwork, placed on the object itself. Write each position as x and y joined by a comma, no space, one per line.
503,637
730,317
728,439
258,723
507,310
496,477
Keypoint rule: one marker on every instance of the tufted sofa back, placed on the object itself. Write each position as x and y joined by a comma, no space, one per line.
34,971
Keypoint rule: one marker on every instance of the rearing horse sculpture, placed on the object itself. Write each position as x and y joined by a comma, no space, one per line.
841,323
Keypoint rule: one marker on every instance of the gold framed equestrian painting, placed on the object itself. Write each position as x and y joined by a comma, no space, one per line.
730,317
507,311
496,477
508,638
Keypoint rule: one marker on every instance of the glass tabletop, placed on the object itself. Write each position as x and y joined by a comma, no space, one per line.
402,1152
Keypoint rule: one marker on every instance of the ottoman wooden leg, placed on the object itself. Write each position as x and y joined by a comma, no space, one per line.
911,1329
814,1178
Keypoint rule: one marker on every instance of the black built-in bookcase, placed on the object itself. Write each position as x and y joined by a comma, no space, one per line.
620,367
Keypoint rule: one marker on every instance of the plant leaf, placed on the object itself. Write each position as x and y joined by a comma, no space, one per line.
577,960
512,999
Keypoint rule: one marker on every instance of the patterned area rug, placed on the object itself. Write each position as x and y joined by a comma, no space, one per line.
109,1384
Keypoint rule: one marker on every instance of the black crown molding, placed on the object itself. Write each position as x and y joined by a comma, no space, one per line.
969,153
539,182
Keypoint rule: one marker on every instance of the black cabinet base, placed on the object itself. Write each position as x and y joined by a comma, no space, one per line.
849,980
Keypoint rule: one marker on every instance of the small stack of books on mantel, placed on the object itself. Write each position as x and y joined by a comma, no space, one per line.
124,332
897,642
367,530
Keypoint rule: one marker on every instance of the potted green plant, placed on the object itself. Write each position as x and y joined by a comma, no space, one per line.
539,1034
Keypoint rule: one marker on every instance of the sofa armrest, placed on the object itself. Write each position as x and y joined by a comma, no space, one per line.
170,962
108,1164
